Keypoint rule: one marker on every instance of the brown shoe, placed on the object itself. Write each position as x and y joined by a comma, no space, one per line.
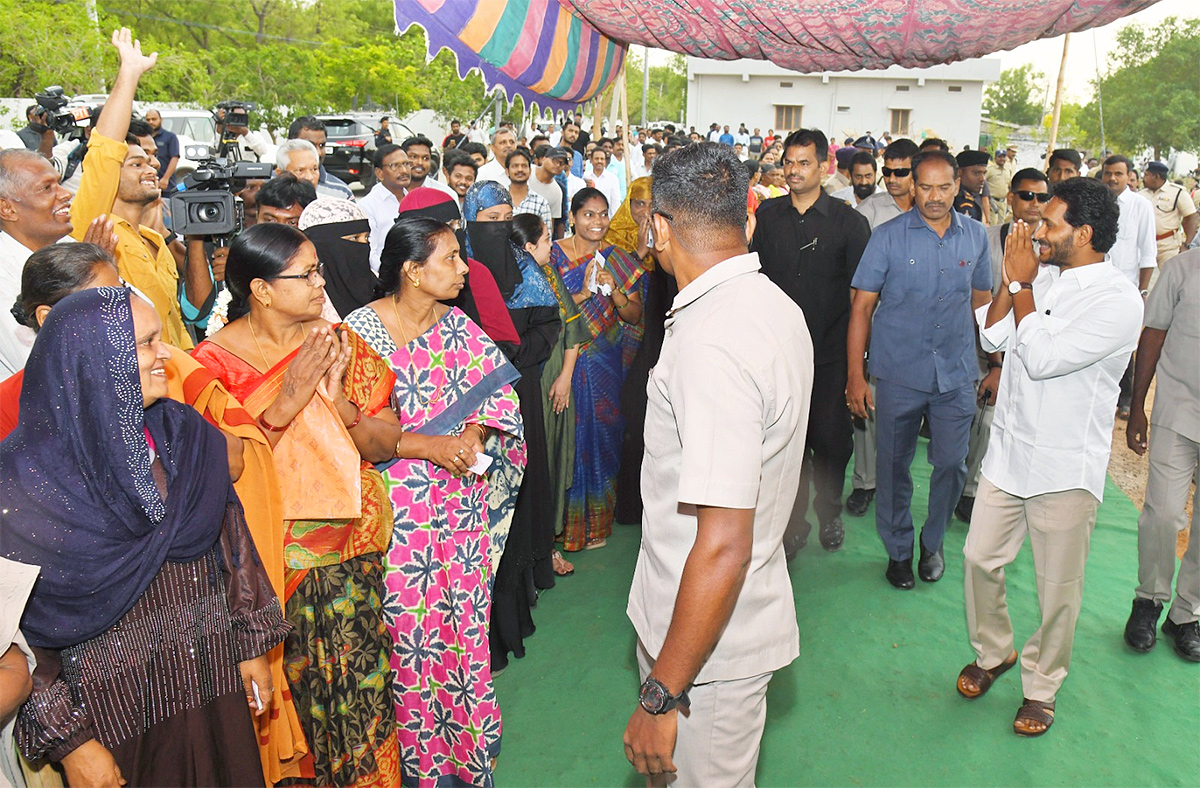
981,679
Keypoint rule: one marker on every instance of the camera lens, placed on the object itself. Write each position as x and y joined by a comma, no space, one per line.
208,212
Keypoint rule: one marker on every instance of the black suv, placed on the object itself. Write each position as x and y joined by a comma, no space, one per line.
349,148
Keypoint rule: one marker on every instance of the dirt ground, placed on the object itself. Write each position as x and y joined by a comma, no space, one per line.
1129,471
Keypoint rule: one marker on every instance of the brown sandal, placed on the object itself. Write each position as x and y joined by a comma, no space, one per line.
982,678
1034,711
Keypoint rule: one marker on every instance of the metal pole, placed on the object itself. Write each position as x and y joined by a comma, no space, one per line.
645,81
1099,94
1062,72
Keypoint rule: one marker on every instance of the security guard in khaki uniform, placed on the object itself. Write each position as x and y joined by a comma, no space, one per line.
1175,215
999,174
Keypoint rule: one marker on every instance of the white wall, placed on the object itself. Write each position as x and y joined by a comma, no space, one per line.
748,92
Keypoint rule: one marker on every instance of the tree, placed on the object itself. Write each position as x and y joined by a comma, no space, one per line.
48,43
1152,97
667,97
1017,96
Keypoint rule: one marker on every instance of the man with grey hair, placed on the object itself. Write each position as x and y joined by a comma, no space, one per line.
299,157
726,421
504,142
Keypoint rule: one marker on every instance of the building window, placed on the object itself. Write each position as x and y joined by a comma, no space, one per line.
902,88
843,109
785,84
788,117
955,88
900,121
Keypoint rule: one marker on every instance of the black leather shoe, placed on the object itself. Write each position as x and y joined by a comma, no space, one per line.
932,565
832,535
899,574
858,502
966,505
794,543
1187,638
1139,630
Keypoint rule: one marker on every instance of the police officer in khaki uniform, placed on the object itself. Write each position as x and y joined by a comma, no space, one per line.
1175,215
1000,172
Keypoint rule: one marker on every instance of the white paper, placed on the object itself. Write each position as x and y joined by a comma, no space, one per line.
482,463
593,285
257,697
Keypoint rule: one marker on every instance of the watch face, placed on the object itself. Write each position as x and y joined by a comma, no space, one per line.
652,697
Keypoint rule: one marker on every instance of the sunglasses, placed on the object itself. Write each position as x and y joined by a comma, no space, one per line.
902,172
1028,196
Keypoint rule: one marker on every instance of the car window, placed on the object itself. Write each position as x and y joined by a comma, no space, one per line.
197,127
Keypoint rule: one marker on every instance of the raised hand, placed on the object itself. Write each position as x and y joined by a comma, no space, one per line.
129,50
100,232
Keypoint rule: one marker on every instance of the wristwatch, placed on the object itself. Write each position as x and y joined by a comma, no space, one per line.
1016,287
657,699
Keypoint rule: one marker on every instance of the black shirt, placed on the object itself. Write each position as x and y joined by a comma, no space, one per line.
968,203
813,257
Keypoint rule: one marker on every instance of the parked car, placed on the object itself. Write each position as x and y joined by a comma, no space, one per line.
197,132
350,147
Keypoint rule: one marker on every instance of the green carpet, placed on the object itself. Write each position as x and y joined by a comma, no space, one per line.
871,700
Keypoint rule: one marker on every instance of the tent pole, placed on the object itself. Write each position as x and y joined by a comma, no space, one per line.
625,122
645,82
1058,91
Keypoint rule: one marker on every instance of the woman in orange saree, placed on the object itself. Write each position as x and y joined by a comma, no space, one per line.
322,398
52,274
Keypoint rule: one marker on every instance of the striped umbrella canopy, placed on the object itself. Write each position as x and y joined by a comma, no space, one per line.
563,52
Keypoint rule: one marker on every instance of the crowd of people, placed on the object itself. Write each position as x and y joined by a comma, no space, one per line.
278,510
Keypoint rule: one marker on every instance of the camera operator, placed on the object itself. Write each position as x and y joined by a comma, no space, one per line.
37,136
120,179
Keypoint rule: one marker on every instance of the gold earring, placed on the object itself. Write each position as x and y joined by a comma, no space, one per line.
416,282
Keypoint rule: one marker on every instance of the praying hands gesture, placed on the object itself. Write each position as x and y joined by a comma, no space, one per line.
312,363
1020,261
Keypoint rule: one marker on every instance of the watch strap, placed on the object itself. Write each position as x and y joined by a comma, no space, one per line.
669,701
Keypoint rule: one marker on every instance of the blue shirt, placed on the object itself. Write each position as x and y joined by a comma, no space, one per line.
923,336
168,148
726,138
576,163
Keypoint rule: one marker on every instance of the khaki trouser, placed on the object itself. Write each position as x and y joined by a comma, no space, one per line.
718,738
1059,525
1174,465
864,447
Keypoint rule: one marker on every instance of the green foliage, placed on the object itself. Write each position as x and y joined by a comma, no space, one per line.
1152,96
49,43
667,98
1017,96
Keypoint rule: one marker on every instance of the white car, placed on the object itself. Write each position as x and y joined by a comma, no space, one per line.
197,132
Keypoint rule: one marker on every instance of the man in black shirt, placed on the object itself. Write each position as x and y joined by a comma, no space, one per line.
809,245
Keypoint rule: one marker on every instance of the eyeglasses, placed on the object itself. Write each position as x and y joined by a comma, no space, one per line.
312,276
395,166
1028,196
901,172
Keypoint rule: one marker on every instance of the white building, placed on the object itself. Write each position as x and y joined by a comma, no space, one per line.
939,101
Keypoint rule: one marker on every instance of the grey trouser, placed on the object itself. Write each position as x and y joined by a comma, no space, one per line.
981,430
718,738
1059,525
1174,465
864,447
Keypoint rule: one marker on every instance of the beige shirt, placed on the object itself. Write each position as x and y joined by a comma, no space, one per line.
726,418
1172,204
1174,306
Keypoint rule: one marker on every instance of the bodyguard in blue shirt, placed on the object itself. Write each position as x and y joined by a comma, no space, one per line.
926,271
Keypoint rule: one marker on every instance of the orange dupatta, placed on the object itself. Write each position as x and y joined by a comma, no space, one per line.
335,506
281,743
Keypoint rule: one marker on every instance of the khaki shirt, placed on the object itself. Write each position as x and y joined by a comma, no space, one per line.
836,182
153,273
726,419
1172,204
1174,306
998,180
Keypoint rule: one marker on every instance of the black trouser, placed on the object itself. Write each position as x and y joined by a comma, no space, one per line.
1125,397
828,449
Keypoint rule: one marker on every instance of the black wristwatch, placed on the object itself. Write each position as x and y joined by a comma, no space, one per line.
657,699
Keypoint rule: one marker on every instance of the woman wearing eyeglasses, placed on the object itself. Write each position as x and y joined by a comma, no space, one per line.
585,261
320,395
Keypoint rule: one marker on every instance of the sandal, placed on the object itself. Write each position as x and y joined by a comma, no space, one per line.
562,567
1034,711
595,545
982,678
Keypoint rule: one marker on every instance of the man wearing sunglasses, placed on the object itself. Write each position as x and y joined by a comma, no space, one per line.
1027,196
881,207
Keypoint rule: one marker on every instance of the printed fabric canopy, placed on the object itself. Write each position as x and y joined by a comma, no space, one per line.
559,53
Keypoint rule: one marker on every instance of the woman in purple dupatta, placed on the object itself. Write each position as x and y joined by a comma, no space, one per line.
455,400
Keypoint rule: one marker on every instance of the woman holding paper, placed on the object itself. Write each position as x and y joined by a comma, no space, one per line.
602,280
456,405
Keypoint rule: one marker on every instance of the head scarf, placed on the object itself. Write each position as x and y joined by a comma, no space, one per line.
80,500
349,281
623,230
480,299
488,242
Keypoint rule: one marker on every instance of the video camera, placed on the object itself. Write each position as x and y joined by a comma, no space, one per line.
56,116
207,201
231,114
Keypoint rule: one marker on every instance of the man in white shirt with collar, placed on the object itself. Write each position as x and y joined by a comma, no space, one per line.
382,203
1068,332
504,142
725,426
35,211
1135,253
